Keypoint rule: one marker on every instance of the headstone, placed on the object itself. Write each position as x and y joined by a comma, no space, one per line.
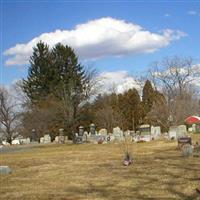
33,135
127,133
194,128
172,132
47,139
61,139
187,150
85,137
61,132
5,170
81,131
103,131
66,139
92,129
155,132
24,141
183,141
182,130
42,140
16,141
132,133
28,140
56,139
85,133
5,143
118,134
190,129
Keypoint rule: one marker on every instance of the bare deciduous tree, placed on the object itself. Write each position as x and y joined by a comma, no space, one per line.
9,117
173,75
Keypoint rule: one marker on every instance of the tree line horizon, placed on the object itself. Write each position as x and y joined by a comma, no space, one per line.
58,92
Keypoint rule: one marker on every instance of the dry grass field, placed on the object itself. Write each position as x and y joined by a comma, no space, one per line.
95,172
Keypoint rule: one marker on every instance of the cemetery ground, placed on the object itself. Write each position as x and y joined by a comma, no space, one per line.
95,171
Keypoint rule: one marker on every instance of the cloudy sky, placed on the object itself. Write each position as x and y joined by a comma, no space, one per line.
118,38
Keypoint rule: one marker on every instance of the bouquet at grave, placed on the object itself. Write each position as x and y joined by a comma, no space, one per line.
127,159
100,140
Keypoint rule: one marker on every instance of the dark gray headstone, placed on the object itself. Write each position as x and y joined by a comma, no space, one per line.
33,135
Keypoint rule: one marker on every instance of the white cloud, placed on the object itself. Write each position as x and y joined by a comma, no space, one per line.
167,15
192,12
98,38
119,81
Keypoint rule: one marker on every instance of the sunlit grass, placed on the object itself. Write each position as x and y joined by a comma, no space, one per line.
91,171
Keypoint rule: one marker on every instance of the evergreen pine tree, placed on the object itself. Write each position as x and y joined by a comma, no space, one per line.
39,81
148,96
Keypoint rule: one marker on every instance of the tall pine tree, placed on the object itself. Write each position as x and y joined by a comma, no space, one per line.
39,81
70,80
148,96
57,73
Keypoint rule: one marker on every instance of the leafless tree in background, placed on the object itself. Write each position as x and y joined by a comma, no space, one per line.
9,116
174,77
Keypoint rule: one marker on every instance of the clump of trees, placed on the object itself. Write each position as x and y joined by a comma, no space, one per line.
128,110
59,92
56,86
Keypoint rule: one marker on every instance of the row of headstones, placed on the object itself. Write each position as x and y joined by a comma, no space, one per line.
102,136
17,141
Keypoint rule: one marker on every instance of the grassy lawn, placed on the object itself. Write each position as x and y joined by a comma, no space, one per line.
91,171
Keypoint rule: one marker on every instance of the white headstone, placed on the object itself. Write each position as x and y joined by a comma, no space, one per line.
155,132
182,130
193,128
28,141
57,139
103,131
66,139
172,132
47,138
42,140
118,134
16,141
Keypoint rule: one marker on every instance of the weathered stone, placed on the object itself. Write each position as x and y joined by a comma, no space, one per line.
155,132
25,141
103,131
61,132
118,134
172,132
47,139
92,129
56,139
66,139
33,135
61,139
187,150
42,140
5,170
16,141
81,131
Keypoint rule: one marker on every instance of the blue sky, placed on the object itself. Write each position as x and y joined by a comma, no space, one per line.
21,21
